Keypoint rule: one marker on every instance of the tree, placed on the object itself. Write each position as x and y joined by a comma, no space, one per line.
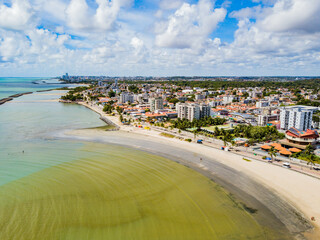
272,153
309,150
111,94
225,140
195,134
311,160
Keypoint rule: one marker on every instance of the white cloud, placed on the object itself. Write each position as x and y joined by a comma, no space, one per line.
16,17
189,26
293,15
79,17
170,4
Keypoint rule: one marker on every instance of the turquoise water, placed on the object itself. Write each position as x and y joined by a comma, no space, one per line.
11,86
26,124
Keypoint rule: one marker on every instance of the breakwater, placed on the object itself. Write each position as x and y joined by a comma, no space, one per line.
10,98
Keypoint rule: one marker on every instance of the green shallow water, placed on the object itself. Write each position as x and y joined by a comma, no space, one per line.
57,189
119,193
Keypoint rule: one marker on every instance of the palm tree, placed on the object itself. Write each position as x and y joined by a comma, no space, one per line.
311,160
272,152
225,140
309,150
194,134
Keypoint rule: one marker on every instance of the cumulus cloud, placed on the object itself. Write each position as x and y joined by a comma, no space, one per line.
79,17
78,36
170,4
293,15
189,26
16,17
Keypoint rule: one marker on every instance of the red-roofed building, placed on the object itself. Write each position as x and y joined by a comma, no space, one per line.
300,139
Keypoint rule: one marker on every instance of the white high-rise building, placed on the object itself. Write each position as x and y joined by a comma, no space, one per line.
155,104
297,117
126,97
192,111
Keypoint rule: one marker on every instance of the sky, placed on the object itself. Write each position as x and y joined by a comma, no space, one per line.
159,37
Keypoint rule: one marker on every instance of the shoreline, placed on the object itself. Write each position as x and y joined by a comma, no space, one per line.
297,206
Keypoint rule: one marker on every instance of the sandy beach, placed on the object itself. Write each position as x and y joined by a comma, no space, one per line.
291,196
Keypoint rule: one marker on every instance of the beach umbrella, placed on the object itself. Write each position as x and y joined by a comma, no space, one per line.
266,147
275,144
285,152
268,159
295,150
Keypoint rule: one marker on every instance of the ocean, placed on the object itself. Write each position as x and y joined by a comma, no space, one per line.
11,86
65,189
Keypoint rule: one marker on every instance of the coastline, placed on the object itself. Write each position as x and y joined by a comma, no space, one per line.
289,195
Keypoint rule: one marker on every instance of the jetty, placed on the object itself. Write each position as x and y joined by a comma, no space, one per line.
10,98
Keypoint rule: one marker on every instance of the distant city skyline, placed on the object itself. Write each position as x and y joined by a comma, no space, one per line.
41,38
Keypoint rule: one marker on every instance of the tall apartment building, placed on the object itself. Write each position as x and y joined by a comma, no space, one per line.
126,97
192,111
263,119
155,104
205,110
297,117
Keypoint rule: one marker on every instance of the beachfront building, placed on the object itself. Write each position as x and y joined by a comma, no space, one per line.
298,117
126,97
205,110
192,111
300,139
156,104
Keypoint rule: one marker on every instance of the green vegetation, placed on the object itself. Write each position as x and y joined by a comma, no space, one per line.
308,102
108,108
219,84
257,133
167,135
246,159
134,89
74,94
307,155
206,121
111,94
272,153
188,140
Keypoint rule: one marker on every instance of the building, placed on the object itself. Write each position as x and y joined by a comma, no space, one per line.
300,139
297,117
205,110
264,119
215,103
262,104
200,96
230,98
192,111
126,97
155,104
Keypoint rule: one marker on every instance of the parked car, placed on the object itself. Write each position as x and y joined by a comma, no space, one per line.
286,165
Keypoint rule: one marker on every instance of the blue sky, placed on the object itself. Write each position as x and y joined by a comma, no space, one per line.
159,37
